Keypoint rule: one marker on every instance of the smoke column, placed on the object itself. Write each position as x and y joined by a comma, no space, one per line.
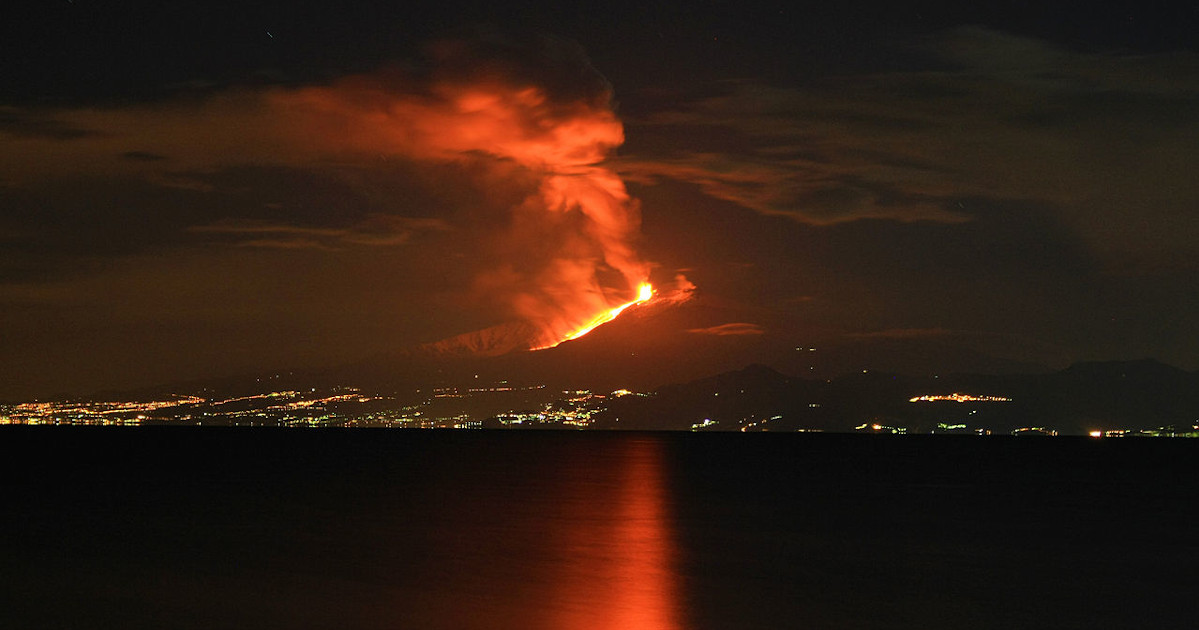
548,113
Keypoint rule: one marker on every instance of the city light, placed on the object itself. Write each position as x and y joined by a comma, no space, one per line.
958,398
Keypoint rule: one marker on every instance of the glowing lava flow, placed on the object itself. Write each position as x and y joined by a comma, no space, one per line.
644,293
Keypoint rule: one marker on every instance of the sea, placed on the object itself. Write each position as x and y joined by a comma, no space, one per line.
213,528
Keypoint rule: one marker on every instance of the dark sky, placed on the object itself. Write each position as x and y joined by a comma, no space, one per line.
195,189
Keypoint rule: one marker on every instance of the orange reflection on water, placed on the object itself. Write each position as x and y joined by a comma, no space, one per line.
621,574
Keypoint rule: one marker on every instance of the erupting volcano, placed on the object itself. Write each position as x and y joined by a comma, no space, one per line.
644,294
536,121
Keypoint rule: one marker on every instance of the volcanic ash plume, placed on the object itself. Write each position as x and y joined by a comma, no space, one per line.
553,119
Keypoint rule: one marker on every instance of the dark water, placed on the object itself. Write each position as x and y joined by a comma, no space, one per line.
237,528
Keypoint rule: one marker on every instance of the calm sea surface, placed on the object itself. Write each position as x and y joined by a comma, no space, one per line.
243,528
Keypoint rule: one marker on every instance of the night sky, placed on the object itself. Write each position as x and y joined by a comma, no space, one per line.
201,189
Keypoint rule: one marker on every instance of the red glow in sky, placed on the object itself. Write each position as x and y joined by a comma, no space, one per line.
561,143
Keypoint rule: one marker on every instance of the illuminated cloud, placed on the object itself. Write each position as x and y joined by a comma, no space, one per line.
526,125
580,215
729,330
375,231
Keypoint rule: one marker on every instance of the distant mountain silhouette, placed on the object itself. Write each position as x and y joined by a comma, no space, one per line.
673,350
1142,394
1084,397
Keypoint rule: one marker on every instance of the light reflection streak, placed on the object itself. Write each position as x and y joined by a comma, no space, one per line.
623,575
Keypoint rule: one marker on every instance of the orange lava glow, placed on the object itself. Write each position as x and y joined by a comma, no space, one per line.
644,293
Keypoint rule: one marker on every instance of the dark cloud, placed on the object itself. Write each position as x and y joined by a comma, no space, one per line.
907,333
17,123
72,224
144,156
554,64
1098,138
